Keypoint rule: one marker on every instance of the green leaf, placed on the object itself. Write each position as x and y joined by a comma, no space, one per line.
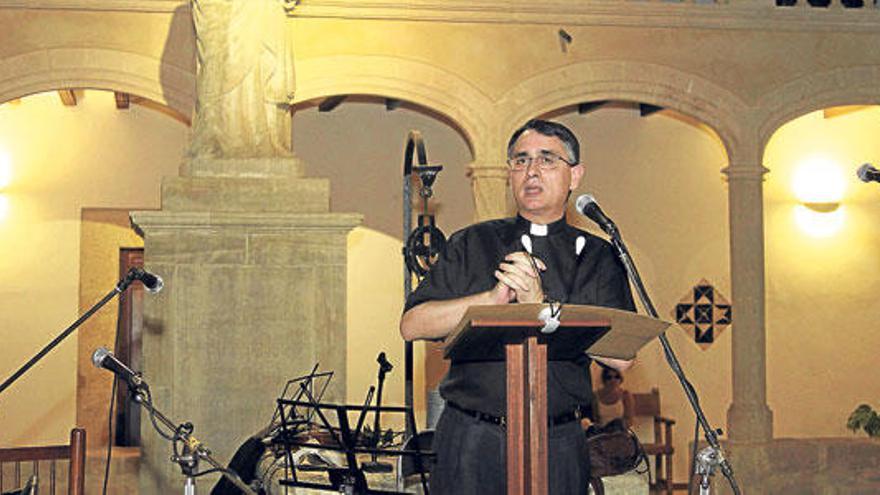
864,418
872,427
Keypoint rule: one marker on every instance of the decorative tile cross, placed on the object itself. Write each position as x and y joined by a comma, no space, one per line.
704,313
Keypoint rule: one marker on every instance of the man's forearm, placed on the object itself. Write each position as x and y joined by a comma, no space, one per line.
618,364
436,319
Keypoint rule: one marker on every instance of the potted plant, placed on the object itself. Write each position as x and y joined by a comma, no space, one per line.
865,418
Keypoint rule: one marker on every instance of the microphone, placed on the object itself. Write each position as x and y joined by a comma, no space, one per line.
588,207
153,283
868,173
103,358
384,365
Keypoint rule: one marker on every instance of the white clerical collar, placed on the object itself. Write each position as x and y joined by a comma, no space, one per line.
538,229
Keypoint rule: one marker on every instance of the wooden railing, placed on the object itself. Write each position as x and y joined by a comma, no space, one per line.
26,461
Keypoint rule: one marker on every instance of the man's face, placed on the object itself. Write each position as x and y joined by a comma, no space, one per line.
541,194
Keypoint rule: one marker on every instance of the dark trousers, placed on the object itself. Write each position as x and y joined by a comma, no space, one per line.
471,457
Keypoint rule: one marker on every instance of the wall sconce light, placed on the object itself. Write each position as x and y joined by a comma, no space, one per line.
819,224
819,184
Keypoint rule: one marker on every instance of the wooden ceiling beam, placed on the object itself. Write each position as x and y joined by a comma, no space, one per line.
329,104
68,97
589,106
830,113
123,100
646,109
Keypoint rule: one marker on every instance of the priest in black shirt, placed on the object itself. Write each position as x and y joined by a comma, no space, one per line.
497,262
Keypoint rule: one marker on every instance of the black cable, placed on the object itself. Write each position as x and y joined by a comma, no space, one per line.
113,392
109,436
147,401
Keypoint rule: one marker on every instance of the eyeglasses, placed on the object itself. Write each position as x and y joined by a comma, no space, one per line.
544,161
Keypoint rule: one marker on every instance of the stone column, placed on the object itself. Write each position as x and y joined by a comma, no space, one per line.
749,419
489,183
255,294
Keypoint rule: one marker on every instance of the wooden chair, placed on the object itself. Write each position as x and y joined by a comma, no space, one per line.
75,453
649,405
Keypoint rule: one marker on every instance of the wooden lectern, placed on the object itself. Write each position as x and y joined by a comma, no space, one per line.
512,333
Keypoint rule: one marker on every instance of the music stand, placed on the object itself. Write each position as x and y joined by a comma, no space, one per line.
512,333
348,479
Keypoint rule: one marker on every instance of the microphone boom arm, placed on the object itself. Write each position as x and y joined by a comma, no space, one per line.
120,287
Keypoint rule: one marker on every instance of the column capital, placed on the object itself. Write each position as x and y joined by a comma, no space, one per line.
743,171
489,185
490,172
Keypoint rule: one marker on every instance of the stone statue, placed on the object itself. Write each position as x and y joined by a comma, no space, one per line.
245,79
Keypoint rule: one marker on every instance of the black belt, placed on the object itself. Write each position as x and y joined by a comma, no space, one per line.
559,419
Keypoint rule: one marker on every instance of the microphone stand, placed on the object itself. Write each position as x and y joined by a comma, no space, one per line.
192,450
121,287
374,466
711,456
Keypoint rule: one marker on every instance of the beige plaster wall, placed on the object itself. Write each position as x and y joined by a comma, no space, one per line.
63,159
822,330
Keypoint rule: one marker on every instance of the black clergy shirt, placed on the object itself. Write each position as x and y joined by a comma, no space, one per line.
595,276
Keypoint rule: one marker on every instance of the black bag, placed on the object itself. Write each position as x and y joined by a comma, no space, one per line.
612,449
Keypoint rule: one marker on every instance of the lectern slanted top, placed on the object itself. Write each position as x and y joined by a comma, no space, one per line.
508,323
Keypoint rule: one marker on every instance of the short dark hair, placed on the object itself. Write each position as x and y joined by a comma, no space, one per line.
552,129
607,373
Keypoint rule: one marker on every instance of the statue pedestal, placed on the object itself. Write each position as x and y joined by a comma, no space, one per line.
255,286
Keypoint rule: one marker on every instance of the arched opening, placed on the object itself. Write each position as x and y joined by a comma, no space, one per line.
822,270
75,170
657,173
357,142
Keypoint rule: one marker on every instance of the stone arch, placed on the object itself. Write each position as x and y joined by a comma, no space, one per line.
633,81
97,68
847,86
426,85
